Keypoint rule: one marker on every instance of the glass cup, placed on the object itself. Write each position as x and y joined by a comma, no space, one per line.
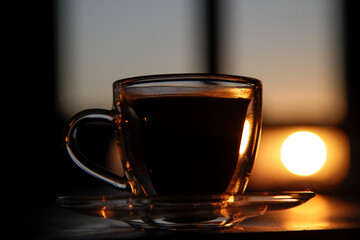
180,134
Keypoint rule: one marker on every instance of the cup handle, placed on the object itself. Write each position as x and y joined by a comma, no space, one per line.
94,116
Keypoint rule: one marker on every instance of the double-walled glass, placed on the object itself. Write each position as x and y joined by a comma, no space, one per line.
180,134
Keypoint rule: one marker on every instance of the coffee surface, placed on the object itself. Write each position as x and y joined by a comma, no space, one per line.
189,144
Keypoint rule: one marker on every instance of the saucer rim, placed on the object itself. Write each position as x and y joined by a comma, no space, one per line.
238,197
174,201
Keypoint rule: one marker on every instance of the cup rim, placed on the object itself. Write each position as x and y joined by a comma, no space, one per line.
186,77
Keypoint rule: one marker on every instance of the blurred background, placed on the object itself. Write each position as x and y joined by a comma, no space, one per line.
306,53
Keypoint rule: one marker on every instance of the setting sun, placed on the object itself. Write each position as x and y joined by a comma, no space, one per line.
303,153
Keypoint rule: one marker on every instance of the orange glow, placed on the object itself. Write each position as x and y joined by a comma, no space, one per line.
103,212
231,199
269,171
245,137
322,212
303,153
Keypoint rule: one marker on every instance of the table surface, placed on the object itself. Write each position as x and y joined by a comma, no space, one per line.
324,216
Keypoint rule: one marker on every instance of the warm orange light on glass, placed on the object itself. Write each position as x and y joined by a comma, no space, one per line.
245,137
303,153
103,212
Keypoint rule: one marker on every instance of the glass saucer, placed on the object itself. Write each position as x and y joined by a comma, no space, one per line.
185,212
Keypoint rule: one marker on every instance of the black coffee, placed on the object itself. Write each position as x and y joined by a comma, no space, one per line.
189,144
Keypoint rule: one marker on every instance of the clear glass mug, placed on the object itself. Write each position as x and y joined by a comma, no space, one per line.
180,134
